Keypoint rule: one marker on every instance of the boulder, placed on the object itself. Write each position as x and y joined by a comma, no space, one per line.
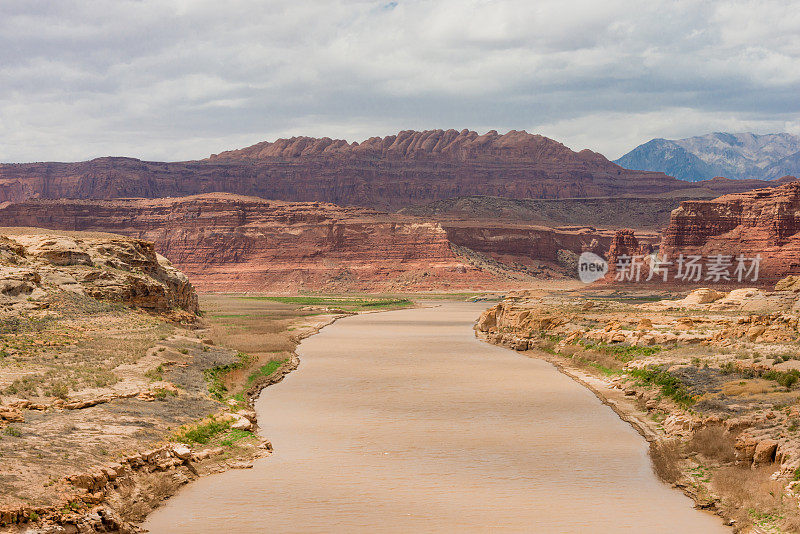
181,451
242,423
764,452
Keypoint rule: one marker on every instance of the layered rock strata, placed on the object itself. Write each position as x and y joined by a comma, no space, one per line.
387,173
763,222
35,261
228,242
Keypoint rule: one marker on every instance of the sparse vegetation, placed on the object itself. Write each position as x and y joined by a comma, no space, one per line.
666,457
714,443
215,375
265,370
235,435
345,303
203,432
670,385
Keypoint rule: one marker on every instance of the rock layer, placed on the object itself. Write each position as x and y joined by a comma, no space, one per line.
229,242
387,173
34,261
763,221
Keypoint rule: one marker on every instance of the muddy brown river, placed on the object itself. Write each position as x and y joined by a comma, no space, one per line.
404,422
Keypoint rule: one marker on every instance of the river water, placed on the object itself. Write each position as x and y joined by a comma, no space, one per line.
404,422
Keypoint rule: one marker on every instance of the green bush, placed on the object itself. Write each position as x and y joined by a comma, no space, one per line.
204,432
784,378
671,386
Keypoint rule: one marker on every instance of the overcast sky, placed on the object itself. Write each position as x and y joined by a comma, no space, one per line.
181,79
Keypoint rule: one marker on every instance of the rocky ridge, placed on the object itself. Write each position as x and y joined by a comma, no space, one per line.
114,268
761,222
225,242
392,172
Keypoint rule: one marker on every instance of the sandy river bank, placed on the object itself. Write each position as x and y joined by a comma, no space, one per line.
404,421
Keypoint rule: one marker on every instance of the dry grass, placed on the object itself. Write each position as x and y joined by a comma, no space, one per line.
755,386
666,456
250,325
750,496
714,443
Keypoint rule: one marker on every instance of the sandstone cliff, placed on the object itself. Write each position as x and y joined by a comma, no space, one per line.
763,221
387,173
229,242
35,262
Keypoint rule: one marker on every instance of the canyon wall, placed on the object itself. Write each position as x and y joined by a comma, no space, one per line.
763,221
387,173
227,242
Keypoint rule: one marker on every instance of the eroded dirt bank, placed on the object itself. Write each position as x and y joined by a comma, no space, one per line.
708,379
114,392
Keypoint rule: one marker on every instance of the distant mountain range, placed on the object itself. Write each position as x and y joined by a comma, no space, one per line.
737,156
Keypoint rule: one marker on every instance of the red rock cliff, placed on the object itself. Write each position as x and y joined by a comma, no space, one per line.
387,173
229,242
763,221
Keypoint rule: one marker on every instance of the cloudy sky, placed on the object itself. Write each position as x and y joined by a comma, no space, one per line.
181,79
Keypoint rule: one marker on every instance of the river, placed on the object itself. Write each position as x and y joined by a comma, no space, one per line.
404,422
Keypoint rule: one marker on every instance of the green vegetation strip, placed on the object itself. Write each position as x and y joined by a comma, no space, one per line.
784,378
670,386
624,353
265,370
214,375
204,432
344,303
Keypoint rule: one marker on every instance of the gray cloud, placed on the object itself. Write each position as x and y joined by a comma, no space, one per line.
185,78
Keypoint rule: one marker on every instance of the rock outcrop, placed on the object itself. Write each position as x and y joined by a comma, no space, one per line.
230,242
387,173
34,261
763,222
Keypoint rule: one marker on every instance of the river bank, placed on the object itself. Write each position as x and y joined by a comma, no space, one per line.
707,380
200,382
413,424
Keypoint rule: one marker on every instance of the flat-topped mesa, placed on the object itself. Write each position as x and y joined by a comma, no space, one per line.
761,222
36,264
386,173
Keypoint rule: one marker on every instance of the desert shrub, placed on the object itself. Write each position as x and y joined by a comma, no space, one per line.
26,384
784,378
59,390
671,386
713,442
161,393
156,374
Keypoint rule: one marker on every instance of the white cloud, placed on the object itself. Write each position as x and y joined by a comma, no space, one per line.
183,79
